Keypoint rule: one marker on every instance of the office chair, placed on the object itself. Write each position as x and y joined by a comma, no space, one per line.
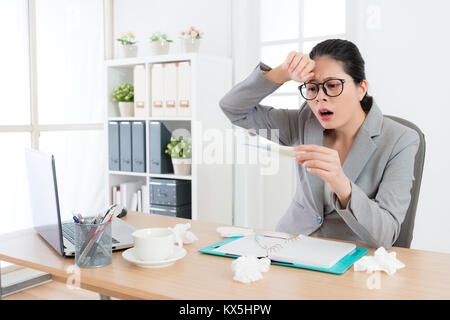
407,227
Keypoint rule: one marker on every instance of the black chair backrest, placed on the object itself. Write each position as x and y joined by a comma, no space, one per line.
407,228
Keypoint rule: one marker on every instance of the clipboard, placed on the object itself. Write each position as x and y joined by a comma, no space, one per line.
339,268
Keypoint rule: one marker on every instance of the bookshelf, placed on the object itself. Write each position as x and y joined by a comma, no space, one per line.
211,183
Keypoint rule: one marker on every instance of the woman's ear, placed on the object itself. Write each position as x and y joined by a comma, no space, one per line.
363,89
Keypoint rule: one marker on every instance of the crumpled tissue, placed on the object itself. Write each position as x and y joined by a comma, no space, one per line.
234,231
247,268
181,232
380,261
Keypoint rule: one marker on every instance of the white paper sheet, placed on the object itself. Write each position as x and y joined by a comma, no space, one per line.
303,250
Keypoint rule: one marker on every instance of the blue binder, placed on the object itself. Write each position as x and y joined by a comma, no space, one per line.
114,150
339,268
125,146
159,137
138,146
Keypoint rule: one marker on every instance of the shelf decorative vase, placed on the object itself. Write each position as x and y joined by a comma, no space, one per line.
126,109
160,47
191,44
182,166
128,50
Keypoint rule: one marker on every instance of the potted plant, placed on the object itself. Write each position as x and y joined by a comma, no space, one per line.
191,39
124,95
160,43
128,46
180,150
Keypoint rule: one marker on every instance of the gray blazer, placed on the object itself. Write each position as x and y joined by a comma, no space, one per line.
380,165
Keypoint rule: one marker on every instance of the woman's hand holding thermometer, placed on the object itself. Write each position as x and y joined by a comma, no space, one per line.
320,161
325,163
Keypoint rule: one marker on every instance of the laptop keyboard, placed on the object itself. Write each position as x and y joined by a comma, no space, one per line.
68,230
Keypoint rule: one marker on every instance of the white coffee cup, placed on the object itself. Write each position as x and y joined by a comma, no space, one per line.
154,244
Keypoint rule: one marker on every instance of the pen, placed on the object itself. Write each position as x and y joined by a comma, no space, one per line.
106,213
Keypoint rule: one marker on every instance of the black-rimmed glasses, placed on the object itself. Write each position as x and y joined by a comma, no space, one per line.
331,87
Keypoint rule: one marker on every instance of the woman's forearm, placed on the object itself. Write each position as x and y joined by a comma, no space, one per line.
376,225
277,75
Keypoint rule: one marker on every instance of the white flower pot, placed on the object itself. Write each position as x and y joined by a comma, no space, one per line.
191,44
128,51
126,109
182,166
160,47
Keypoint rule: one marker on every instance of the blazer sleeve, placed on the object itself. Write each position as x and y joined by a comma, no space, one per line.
241,106
378,221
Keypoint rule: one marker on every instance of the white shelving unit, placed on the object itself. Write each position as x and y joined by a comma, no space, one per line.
211,183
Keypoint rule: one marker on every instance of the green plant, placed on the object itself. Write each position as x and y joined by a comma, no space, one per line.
126,38
157,36
179,148
124,93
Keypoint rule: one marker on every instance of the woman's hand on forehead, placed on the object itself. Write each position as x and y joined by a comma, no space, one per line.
298,66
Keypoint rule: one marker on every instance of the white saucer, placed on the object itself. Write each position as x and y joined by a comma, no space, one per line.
130,256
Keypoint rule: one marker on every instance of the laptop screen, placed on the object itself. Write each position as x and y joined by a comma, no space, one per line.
44,197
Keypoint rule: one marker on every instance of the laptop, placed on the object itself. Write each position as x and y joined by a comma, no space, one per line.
46,213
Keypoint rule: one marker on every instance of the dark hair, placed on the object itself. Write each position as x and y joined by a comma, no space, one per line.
348,53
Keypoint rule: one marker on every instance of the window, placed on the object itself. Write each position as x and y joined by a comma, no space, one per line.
69,61
304,23
14,63
15,212
52,100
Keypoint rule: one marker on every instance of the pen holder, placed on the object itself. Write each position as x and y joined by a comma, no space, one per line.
93,244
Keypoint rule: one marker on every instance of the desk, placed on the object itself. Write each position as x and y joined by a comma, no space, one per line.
201,276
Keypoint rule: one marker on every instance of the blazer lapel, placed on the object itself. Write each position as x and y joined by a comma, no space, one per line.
363,147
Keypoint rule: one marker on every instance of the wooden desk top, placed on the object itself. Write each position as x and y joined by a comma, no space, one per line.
202,276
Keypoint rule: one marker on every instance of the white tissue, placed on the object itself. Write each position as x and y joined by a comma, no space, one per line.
380,261
247,269
180,231
234,231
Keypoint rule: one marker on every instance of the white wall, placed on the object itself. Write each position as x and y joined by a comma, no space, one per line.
145,17
406,49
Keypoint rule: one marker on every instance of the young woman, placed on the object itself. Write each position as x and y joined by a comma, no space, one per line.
355,178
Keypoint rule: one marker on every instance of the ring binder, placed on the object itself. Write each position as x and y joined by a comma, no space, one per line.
230,248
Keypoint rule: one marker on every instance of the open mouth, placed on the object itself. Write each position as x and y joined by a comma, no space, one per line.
325,113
